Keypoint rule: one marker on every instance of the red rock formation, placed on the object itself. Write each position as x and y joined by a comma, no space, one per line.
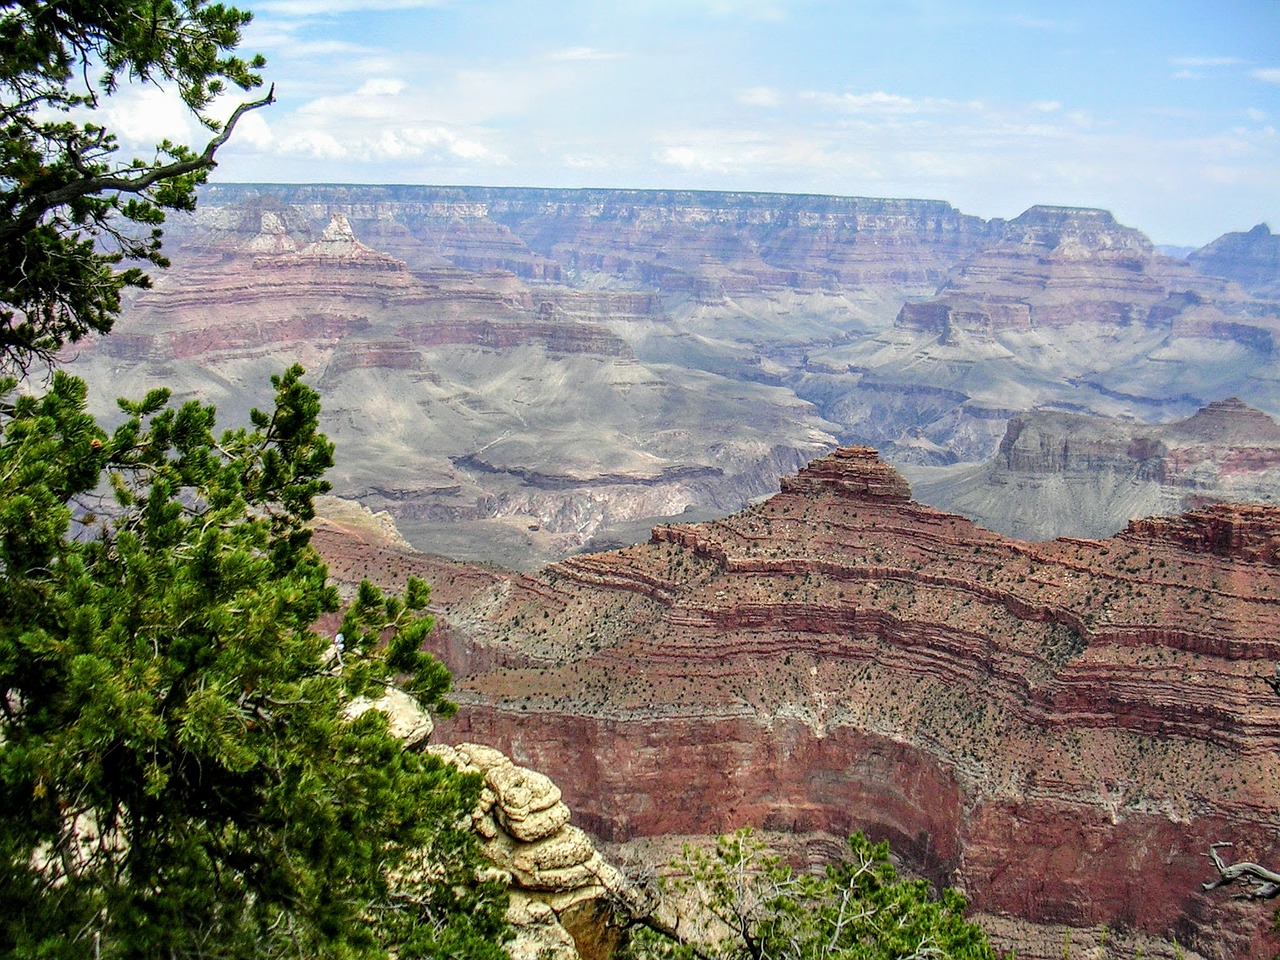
854,472
1061,728
1242,531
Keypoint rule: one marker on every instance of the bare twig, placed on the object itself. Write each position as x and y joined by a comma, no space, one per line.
1267,881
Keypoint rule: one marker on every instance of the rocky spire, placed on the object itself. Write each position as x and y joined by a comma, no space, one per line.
339,241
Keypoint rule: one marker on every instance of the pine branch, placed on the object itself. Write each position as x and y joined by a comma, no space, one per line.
41,204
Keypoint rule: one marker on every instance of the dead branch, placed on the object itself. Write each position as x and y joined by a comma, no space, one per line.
1268,881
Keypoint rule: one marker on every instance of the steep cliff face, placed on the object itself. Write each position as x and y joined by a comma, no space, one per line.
1066,473
1061,728
1251,259
519,373
701,243
1052,267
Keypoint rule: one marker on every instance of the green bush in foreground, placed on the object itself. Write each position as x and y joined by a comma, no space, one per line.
741,903
176,775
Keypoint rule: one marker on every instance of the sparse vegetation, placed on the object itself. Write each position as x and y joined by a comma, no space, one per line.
744,903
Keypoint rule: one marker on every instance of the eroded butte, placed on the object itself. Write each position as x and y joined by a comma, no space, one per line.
1060,728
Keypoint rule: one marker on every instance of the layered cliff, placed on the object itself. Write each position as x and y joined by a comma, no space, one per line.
702,243
1251,259
1052,266
1068,473
1061,728
494,418
518,374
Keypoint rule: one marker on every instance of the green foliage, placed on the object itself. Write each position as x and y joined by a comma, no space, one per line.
177,776
742,903
70,210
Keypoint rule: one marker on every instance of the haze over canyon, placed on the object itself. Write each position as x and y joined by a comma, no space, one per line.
520,374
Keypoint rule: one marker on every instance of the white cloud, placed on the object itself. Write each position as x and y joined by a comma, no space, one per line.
407,143
381,87
1269,74
686,157
142,116
319,144
578,54
383,120
879,102
760,97
1258,116
743,155
1206,61
252,130
320,8
1047,106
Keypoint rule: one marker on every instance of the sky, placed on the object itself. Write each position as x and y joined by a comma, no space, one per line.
1166,113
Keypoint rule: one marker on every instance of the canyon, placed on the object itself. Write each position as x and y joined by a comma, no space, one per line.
719,414
519,374
1060,728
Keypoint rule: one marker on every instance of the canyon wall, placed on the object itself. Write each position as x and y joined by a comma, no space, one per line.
1059,728
520,374
1056,470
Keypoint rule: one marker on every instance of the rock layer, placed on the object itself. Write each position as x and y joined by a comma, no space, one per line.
1252,259
517,374
1056,472
1059,728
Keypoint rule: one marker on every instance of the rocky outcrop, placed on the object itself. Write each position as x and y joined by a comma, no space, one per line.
1058,727
1249,532
566,901
854,472
406,720
1053,266
272,238
1227,437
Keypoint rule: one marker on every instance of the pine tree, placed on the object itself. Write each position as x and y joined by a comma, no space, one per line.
71,210
177,774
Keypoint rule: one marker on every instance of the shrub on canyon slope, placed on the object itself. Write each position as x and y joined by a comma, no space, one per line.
742,903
